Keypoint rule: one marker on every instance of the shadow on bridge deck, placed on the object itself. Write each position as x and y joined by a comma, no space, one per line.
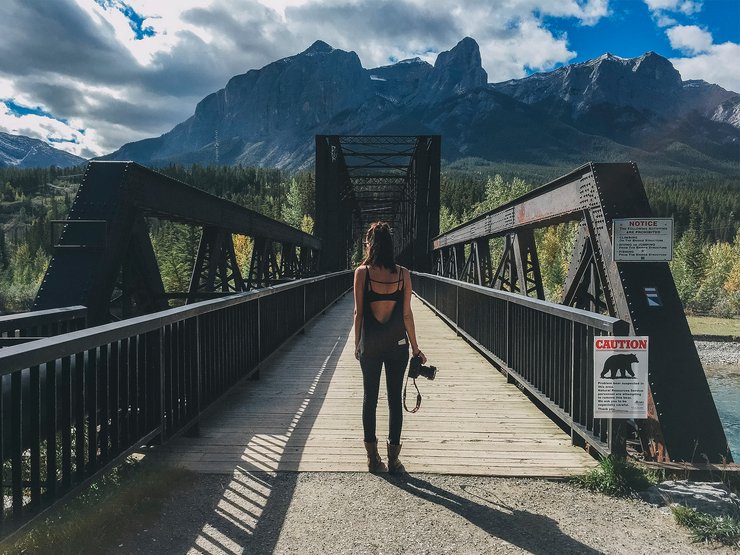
304,414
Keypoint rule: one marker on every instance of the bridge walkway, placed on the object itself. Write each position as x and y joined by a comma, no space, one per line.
304,413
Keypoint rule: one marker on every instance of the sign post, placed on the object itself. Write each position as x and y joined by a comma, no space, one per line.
642,239
620,377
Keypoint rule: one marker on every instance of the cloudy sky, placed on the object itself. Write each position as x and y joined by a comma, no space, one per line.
91,75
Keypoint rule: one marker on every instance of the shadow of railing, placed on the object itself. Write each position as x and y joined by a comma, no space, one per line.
247,513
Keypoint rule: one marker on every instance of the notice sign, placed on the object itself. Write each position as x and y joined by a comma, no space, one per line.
642,239
620,377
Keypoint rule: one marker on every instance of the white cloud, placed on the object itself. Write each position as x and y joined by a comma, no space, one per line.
662,10
719,65
280,6
687,7
46,128
511,35
83,62
714,63
689,39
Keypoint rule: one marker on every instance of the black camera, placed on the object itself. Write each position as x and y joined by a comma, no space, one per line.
416,369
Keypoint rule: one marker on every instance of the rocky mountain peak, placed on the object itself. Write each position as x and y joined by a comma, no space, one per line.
656,68
458,70
649,82
318,47
24,152
415,60
269,116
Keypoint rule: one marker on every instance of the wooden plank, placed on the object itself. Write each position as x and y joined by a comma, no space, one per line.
304,414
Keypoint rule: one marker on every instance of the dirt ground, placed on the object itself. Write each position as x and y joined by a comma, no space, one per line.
325,513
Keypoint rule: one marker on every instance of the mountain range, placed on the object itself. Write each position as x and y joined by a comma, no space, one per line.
605,109
25,152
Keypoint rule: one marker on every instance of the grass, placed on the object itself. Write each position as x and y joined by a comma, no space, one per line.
707,528
124,499
710,325
616,477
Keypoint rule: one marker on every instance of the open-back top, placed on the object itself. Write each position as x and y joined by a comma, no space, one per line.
382,338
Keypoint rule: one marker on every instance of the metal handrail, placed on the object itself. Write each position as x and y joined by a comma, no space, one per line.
27,320
78,402
43,350
541,346
599,321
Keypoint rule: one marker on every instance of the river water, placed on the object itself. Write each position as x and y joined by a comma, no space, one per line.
724,381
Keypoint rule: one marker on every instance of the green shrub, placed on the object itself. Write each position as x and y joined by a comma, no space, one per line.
616,477
707,528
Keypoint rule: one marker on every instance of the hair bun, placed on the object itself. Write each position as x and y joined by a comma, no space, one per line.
381,227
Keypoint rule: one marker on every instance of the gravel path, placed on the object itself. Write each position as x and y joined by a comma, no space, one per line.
356,513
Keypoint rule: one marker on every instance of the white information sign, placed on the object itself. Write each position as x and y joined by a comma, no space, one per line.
620,377
642,239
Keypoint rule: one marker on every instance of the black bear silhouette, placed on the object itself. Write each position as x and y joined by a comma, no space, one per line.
621,364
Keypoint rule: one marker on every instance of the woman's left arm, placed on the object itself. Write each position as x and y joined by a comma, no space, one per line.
408,316
358,292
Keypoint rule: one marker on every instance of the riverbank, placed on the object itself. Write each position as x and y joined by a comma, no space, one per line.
719,353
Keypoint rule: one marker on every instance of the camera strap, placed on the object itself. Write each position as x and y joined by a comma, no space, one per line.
418,396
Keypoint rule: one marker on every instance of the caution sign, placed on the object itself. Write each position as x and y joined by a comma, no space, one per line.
620,377
642,239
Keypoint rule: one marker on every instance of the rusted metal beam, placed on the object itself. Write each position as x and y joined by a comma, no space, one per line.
116,275
682,423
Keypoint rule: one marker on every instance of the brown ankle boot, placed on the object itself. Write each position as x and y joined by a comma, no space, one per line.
394,465
374,462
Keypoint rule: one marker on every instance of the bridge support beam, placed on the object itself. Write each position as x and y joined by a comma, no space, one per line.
216,268
363,179
682,423
104,258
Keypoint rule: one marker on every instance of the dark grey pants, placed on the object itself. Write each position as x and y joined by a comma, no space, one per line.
395,369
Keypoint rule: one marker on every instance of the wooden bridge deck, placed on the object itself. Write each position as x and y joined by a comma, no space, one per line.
304,413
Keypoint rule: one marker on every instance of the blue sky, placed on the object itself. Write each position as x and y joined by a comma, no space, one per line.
632,29
90,75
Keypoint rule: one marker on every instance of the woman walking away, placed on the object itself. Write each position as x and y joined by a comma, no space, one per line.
384,327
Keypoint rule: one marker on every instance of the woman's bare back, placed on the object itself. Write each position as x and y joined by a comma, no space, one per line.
383,281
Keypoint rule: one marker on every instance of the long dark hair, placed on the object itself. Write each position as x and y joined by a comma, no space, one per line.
379,247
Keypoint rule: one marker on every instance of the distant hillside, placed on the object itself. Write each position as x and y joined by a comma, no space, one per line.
606,109
25,152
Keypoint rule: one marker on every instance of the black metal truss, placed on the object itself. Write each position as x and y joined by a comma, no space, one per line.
376,139
362,179
216,268
683,422
117,276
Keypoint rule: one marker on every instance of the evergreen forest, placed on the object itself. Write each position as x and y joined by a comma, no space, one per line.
705,208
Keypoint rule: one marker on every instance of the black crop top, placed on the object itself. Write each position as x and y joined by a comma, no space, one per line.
373,296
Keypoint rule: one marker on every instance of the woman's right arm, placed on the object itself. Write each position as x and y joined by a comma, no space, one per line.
359,291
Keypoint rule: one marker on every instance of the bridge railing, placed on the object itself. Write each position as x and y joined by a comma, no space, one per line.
29,326
72,404
545,348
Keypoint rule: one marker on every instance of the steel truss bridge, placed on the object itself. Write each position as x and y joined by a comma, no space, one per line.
104,260
101,366
364,179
